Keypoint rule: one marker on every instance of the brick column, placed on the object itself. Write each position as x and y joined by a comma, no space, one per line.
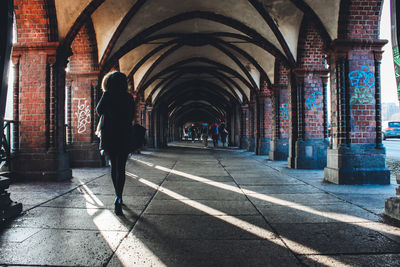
279,148
15,142
84,146
265,120
244,126
252,123
311,145
150,126
356,155
42,153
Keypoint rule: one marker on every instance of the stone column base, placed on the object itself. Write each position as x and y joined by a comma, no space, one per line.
310,154
8,208
263,147
85,155
244,140
279,149
251,146
358,164
39,165
392,205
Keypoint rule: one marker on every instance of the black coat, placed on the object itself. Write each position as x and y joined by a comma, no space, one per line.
118,110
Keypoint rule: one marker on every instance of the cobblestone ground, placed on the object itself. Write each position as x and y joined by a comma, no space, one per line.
191,206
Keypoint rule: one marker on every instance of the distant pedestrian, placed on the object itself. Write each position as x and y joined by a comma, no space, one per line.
204,133
117,108
214,130
223,133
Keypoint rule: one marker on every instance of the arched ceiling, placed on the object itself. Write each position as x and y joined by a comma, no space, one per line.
226,45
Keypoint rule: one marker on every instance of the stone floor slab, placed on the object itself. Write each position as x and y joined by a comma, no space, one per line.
334,238
280,189
196,191
74,219
384,260
100,201
217,207
63,247
342,212
295,199
192,227
167,252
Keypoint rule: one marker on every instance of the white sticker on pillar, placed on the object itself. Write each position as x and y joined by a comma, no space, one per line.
309,151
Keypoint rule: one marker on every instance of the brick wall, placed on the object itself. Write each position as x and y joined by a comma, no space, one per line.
310,60
83,76
362,100
360,19
32,107
32,21
284,106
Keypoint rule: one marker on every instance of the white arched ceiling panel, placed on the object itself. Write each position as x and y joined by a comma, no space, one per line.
154,11
328,13
139,74
188,52
106,19
197,26
242,86
127,62
263,58
288,19
67,13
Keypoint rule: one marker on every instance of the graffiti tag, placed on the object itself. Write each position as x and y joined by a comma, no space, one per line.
311,101
83,114
396,59
284,109
363,80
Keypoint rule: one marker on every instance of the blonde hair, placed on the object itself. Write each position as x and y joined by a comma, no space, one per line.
114,81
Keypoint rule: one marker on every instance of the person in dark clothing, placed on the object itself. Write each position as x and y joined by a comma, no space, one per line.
214,129
223,133
204,133
117,108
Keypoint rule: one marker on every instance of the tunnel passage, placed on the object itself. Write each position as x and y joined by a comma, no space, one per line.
262,67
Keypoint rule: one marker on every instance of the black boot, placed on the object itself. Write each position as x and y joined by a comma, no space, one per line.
118,206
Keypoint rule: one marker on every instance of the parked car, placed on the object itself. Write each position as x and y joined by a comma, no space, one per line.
392,130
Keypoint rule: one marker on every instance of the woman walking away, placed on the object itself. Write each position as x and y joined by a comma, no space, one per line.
117,108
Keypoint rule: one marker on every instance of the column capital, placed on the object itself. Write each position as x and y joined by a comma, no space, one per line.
345,45
378,55
15,58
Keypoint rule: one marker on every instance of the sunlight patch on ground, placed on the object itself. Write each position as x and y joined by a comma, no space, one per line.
339,217
104,219
241,224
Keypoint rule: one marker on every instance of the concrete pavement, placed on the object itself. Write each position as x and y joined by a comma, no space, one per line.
190,206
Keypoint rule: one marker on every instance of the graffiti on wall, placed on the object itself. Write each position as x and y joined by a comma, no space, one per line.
396,59
284,110
83,114
363,81
314,101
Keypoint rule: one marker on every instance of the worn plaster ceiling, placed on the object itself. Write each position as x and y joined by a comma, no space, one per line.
228,44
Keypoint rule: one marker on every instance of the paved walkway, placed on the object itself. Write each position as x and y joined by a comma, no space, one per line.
190,206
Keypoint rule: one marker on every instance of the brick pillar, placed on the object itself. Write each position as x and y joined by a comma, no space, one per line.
265,120
356,155
311,145
15,141
244,126
279,148
42,153
82,101
252,123
150,126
